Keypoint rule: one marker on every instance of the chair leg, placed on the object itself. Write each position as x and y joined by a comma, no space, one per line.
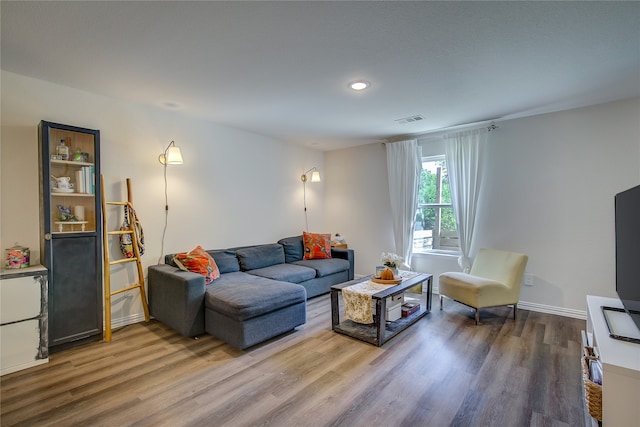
440,302
515,307
477,316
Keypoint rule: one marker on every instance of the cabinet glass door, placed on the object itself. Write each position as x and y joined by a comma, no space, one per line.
72,181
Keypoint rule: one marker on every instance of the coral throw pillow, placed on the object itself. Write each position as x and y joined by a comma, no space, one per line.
316,246
199,261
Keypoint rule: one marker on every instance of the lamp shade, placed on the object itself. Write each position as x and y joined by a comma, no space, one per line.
171,155
174,156
315,176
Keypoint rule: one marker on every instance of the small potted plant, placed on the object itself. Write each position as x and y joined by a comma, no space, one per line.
391,261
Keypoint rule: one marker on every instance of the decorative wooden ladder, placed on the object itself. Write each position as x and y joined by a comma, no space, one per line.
131,230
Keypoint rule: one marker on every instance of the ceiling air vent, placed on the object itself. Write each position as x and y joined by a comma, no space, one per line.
409,119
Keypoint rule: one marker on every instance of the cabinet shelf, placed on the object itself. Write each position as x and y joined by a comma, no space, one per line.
73,194
70,163
61,224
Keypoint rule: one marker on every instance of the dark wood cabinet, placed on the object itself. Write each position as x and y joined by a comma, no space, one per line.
71,232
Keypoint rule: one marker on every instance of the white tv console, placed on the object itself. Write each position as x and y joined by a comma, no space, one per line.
620,367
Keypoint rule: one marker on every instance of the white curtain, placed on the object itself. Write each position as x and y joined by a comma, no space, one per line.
464,154
404,164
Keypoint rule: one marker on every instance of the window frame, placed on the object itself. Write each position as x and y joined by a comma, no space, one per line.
435,238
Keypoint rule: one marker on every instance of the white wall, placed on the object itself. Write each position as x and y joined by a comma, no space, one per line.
357,202
548,192
235,188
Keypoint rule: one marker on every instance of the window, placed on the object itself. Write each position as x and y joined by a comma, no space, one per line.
436,227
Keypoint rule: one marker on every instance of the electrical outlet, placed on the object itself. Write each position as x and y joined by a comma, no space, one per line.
527,280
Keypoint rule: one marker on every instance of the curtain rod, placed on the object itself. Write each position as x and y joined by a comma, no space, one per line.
489,124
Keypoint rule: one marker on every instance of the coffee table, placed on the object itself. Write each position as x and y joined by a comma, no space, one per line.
380,331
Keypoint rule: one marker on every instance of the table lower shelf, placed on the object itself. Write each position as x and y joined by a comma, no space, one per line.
368,332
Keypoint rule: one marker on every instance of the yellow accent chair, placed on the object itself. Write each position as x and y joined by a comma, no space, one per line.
494,280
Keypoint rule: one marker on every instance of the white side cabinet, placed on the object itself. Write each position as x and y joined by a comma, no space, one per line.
620,367
23,318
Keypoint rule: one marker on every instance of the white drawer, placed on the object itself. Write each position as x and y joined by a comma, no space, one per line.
19,298
19,343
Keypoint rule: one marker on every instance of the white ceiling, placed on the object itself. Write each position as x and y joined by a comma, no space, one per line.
281,68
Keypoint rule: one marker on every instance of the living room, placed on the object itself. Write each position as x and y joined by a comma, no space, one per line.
548,188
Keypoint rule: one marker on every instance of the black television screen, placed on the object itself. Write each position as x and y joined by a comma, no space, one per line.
627,212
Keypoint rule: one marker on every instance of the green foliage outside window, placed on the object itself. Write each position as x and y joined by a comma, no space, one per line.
428,194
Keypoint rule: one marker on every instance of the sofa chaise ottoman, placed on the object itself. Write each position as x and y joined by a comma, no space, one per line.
257,310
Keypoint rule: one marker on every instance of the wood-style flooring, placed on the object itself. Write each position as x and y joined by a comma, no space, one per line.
442,371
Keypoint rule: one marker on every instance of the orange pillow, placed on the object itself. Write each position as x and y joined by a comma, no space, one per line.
199,261
316,246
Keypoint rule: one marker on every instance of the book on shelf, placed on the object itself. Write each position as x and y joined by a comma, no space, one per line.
86,180
80,182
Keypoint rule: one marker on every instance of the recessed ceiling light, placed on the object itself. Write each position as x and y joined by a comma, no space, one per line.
359,85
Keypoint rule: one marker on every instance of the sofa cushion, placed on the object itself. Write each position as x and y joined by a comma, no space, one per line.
285,272
325,267
254,257
293,248
226,260
316,245
197,260
242,296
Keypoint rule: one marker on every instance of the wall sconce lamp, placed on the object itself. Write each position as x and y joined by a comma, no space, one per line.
315,177
171,155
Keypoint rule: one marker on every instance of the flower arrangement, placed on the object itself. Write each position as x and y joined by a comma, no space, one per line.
391,260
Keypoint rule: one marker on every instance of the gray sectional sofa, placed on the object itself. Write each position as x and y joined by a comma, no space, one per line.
261,292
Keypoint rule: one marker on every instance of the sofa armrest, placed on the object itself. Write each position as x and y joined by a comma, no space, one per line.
347,254
176,298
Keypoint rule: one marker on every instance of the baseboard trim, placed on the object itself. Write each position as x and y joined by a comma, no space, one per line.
24,365
550,309
128,320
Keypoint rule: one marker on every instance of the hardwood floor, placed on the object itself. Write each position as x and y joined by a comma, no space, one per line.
442,371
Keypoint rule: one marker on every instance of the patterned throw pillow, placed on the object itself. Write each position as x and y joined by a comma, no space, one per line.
198,261
316,246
